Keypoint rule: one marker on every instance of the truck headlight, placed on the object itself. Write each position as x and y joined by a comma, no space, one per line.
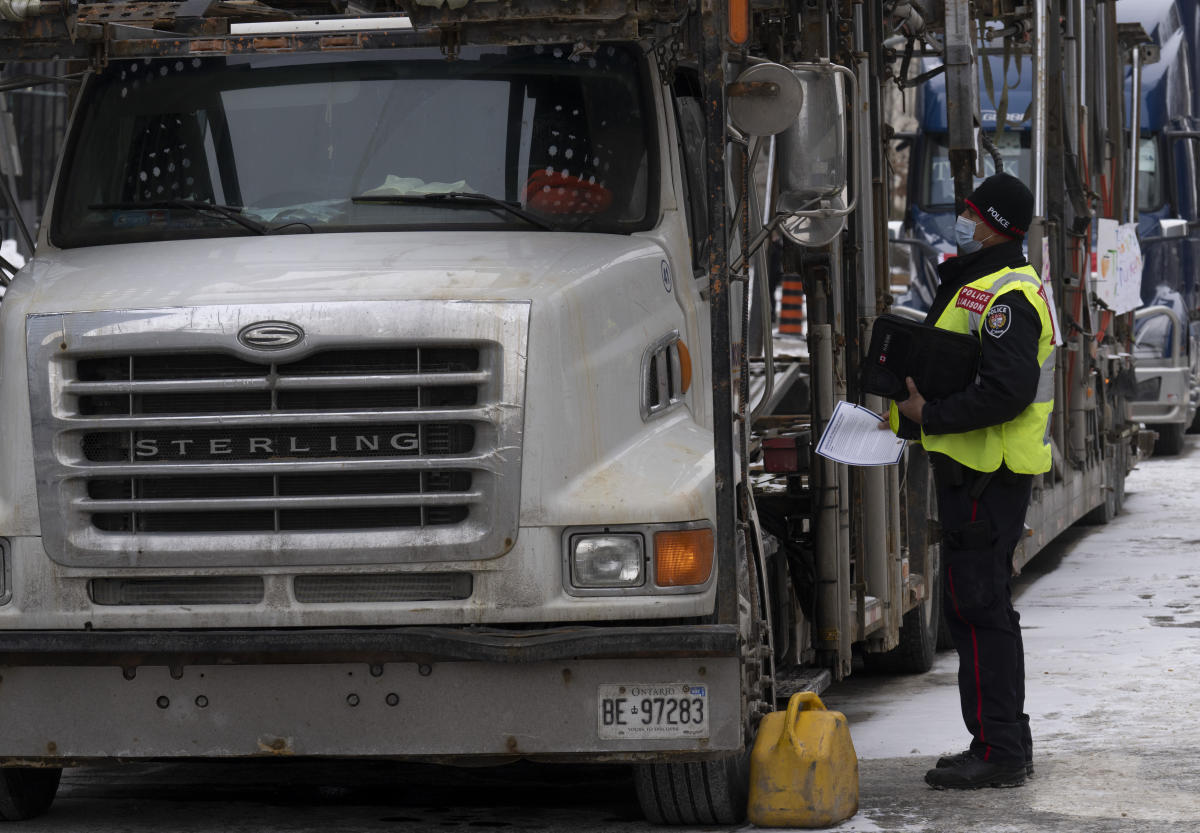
607,560
638,559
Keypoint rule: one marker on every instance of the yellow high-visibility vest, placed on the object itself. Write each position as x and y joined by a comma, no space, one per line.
1022,443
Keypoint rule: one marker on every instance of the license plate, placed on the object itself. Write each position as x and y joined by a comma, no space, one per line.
662,710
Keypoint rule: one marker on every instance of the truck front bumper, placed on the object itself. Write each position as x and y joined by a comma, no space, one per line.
422,693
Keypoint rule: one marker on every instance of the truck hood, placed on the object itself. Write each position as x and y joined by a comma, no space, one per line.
570,319
324,267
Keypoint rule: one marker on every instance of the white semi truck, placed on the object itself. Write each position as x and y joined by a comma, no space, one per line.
378,387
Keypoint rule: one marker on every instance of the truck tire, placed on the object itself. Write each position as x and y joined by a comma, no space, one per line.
1194,425
919,638
1170,440
27,793
702,792
1114,494
1120,468
1105,512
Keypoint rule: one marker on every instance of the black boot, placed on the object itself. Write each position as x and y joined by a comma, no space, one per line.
972,773
961,757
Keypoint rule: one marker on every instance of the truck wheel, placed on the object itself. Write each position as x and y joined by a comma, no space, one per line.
1114,495
1105,512
26,793
1170,440
919,636
1120,466
703,792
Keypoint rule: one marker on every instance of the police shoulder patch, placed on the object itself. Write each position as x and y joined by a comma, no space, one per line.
998,319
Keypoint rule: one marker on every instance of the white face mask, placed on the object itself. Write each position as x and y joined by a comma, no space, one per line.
964,236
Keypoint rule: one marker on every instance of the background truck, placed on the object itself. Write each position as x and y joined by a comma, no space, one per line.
1166,345
1165,340
378,385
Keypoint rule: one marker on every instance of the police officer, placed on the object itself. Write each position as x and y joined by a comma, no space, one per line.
986,444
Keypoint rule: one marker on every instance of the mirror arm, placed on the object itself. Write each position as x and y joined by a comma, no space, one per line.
757,241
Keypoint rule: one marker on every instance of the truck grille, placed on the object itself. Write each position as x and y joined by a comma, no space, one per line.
299,387
389,451
369,588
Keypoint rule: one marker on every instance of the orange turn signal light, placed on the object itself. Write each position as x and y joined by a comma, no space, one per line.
683,557
685,367
739,21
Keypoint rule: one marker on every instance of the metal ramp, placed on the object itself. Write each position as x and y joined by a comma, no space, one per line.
35,30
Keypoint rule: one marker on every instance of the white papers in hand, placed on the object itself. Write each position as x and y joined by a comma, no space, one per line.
853,437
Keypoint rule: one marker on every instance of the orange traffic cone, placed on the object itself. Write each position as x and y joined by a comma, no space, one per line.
791,307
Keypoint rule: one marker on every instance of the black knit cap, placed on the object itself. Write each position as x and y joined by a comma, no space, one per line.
1004,203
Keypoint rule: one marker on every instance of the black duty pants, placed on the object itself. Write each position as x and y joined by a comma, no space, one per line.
980,531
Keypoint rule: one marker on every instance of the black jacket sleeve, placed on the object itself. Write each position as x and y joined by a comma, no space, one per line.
1008,372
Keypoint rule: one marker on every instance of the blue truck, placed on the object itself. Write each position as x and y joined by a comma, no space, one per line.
1166,337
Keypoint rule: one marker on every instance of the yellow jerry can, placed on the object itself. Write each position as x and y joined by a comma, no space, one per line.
803,769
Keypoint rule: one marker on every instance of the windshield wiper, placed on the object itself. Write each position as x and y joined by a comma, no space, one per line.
229,212
463,198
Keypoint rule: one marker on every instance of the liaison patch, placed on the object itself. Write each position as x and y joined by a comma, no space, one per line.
975,300
998,319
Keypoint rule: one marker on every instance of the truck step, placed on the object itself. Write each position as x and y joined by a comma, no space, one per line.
788,681
872,616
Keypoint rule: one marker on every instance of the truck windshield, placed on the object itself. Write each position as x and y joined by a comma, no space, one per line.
349,142
1154,337
938,183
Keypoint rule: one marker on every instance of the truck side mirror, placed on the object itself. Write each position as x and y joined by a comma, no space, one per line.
814,161
1173,227
765,99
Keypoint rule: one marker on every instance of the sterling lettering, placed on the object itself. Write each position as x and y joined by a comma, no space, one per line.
288,446
996,216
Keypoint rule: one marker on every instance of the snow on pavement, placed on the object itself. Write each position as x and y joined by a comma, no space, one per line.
1111,622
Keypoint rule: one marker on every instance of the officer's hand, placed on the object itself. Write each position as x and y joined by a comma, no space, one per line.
914,405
